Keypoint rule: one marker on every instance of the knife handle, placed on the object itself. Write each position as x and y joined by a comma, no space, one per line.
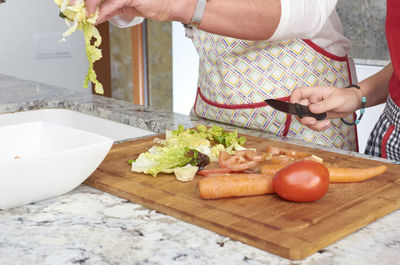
303,110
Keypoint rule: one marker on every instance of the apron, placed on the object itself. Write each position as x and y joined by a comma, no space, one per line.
384,140
236,76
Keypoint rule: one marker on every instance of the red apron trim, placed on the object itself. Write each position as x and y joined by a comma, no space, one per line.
235,106
245,106
385,140
326,53
287,125
331,56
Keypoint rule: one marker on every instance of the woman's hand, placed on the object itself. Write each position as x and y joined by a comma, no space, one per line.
161,10
337,102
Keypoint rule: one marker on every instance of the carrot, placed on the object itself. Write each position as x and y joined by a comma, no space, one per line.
234,185
287,152
342,174
209,171
272,169
336,174
280,159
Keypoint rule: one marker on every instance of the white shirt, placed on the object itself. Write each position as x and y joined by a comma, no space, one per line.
316,20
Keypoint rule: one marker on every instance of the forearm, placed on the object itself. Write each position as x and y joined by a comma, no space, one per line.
376,87
251,20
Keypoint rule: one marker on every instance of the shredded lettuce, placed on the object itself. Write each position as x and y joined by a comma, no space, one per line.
77,15
171,152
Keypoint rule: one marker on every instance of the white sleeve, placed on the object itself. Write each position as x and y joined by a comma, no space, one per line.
125,22
303,19
316,20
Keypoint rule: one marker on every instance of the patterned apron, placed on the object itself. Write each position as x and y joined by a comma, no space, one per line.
236,76
384,140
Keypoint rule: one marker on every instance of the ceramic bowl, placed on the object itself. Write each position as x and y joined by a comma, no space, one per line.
40,160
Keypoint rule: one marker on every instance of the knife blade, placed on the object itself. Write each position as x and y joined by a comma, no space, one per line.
294,108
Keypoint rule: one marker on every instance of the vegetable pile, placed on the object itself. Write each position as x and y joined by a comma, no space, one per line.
184,151
293,176
77,15
227,169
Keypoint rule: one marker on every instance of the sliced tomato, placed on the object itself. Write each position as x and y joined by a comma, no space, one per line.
238,162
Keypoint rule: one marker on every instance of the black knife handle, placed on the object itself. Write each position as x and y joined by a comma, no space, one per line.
303,110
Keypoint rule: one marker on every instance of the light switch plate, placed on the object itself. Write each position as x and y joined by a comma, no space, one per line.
48,45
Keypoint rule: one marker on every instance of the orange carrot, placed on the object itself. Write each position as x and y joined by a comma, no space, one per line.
272,169
342,174
287,152
234,185
280,159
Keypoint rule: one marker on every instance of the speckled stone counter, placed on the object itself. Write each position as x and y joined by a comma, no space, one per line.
88,226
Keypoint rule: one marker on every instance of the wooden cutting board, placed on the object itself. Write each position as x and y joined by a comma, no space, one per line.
288,229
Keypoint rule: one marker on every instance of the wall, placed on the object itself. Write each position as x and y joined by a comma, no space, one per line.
121,63
20,23
159,64
185,70
364,23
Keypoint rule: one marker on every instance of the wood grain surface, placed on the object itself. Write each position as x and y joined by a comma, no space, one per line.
290,230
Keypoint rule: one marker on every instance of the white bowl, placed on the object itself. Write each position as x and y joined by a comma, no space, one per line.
78,120
40,160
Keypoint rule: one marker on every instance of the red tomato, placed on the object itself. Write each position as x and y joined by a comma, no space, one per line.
302,181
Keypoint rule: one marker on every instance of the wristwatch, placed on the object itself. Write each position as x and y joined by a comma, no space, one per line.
196,19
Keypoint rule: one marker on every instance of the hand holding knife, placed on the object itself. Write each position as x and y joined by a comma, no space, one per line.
294,108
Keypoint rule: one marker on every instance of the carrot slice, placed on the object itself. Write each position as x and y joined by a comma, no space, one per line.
234,185
341,174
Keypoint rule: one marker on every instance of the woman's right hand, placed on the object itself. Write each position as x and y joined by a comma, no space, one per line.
161,10
336,102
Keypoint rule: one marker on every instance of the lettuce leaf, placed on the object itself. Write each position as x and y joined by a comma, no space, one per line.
77,16
172,152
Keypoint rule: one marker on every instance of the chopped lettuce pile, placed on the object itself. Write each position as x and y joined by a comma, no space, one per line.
76,15
182,149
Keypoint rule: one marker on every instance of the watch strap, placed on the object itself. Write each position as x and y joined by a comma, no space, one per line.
196,19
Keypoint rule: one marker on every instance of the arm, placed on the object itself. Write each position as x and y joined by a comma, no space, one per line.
376,87
341,102
250,19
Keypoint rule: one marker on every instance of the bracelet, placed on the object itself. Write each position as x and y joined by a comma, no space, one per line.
196,19
362,110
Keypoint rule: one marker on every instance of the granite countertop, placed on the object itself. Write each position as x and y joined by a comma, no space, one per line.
88,226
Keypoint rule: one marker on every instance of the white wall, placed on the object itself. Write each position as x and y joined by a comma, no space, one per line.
185,73
21,21
185,66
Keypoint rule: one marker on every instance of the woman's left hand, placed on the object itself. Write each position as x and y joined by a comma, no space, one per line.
337,102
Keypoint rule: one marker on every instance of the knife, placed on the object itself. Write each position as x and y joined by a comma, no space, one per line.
294,108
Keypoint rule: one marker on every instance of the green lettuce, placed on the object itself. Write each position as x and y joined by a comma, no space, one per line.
77,15
172,152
